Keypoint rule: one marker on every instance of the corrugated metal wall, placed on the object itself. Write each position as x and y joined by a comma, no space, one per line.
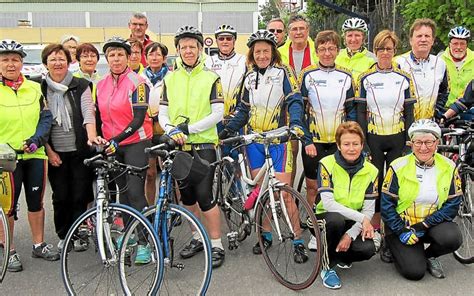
10,19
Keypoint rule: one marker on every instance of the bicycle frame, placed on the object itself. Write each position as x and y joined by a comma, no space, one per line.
269,182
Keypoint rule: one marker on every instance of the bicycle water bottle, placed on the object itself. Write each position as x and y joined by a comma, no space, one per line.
252,198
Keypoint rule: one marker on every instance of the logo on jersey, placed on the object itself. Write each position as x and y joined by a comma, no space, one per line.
457,182
388,180
325,180
220,93
141,91
275,80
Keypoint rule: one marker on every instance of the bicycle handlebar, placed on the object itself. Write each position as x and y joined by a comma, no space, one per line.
98,161
166,144
282,133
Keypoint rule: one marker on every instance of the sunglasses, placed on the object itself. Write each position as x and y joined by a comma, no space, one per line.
279,31
227,38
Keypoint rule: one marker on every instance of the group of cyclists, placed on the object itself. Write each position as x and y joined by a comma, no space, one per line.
366,123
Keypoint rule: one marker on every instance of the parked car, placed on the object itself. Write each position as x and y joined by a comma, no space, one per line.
33,68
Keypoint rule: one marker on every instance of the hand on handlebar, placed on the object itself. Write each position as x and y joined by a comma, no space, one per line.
224,134
178,136
297,131
111,147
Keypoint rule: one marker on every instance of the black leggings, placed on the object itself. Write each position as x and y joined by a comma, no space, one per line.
201,192
410,261
310,164
133,154
31,173
336,227
71,183
393,146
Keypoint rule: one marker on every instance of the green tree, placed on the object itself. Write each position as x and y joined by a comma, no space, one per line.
271,9
446,14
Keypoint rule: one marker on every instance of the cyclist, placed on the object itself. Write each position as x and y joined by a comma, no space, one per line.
154,74
298,51
25,122
348,187
459,61
355,56
427,71
328,94
88,57
270,98
420,198
384,109
71,42
463,104
134,61
229,65
122,104
70,101
138,24
277,27
195,92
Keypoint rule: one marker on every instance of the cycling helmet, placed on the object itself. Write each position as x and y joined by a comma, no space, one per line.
11,46
459,33
117,42
262,35
190,32
225,29
424,126
354,24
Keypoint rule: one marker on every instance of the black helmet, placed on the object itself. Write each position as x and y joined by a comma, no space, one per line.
225,29
188,32
262,35
117,42
11,46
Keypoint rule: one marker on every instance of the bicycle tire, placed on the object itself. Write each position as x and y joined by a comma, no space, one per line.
5,248
230,199
84,273
464,219
295,276
301,187
181,277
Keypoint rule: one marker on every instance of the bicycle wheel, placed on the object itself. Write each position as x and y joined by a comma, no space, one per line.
465,253
5,244
279,256
230,197
190,276
84,272
301,188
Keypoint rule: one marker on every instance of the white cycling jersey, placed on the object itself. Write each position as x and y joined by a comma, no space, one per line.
430,81
231,70
386,93
326,92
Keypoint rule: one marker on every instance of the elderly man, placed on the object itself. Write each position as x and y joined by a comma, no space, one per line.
459,61
427,71
277,27
138,24
298,51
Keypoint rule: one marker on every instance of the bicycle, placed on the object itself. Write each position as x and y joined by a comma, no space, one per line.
7,164
175,225
277,204
111,268
463,135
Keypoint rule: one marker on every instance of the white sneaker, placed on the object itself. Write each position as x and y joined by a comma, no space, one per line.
61,245
313,244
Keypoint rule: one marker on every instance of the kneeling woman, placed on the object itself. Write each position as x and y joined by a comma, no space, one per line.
347,185
421,194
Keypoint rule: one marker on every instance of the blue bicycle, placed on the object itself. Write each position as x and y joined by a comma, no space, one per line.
176,227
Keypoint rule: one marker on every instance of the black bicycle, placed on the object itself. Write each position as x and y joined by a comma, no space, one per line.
462,152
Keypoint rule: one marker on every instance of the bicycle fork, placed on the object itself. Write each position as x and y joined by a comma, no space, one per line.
103,226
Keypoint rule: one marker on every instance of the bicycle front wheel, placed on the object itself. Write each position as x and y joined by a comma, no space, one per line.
281,257
83,270
464,219
5,244
183,274
230,199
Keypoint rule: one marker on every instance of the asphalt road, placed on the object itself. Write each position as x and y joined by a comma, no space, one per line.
245,274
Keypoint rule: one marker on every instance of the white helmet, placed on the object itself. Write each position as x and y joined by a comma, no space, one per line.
225,29
424,126
459,33
355,24
11,46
